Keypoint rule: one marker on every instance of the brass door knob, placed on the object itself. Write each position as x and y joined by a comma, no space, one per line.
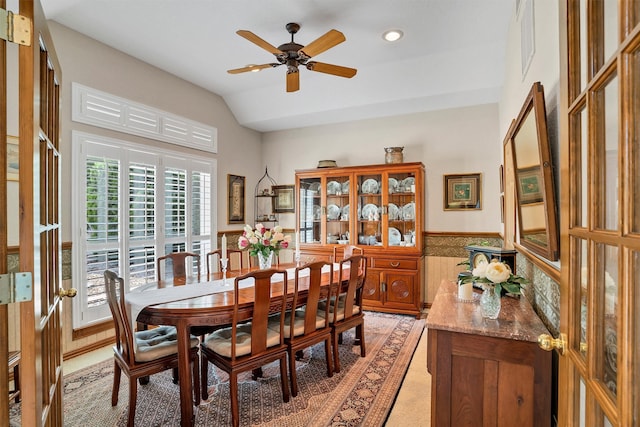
548,343
71,292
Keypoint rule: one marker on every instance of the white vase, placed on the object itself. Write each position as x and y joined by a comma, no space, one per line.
265,261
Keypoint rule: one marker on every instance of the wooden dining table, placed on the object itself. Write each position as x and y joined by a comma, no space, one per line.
211,309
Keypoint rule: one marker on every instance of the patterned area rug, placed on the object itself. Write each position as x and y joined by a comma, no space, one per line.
360,395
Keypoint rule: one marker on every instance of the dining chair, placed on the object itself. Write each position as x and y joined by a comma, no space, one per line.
217,256
143,353
345,310
249,344
178,265
308,326
347,251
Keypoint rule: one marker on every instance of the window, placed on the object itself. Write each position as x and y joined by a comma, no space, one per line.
131,205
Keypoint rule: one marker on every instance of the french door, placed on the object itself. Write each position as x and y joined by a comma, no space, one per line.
39,220
599,375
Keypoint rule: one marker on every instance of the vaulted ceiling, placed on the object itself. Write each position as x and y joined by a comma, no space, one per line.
452,53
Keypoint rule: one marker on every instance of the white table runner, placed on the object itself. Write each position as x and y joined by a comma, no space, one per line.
138,299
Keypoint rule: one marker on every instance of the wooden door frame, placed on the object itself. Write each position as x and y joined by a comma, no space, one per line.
4,317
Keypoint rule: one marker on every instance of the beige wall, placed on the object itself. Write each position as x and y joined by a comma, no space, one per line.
461,140
96,65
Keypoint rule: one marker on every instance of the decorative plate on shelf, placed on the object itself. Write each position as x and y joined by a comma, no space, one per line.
407,183
370,212
393,185
345,187
314,187
344,215
316,213
394,236
334,187
394,212
409,211
370,186
333,212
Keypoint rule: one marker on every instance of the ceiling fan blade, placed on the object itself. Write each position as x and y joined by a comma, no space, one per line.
260,42
322,43
293,81
335,70
252,68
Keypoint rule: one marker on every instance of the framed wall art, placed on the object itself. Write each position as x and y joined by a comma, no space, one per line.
13,165
284,199
236,199
462,192
529,185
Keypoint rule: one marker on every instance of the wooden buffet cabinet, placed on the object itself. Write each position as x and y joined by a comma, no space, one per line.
486,372
387,224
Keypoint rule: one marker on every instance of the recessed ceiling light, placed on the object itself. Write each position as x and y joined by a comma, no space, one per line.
392,35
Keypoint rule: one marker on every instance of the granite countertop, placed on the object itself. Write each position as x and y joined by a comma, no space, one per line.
517,319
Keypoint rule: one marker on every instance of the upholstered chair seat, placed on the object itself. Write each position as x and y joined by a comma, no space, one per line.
156,343
220,340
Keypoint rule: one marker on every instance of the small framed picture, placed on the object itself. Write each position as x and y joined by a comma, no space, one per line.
529,188
462,192
284,199
235,202
13,165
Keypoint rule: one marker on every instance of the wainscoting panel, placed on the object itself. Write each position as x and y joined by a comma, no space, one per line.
438,268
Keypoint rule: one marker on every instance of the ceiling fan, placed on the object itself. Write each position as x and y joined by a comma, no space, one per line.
293,55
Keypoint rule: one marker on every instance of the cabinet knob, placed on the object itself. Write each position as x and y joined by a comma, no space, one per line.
548,343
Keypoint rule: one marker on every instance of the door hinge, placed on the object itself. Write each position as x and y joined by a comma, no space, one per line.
16,287
15,28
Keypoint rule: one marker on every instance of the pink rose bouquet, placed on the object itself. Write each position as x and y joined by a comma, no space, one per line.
261,240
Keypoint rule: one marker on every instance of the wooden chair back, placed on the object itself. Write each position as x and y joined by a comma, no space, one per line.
347,251
353,292
178,264
114,288
316,293
214,257
263,292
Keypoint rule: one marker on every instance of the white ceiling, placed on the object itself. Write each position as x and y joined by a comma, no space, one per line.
452,53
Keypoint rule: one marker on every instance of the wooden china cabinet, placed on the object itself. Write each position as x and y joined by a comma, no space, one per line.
379,208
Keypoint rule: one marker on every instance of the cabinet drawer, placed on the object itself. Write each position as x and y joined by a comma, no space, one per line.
405,264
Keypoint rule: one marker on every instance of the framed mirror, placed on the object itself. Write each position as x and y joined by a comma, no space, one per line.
535,196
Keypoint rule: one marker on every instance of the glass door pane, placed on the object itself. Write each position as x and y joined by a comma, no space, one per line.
608,275
369,210
401,209
337,188
607,155
310,212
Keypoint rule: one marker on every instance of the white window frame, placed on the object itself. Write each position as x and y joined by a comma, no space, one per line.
85,144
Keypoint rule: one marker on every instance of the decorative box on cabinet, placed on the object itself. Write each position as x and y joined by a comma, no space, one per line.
486,372
387,223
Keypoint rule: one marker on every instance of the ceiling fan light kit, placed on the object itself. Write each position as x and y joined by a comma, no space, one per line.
293,55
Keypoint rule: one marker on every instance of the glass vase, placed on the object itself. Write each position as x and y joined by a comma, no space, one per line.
265,261
490,303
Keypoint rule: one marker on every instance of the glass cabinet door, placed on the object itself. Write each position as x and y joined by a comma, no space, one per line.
401,209
337,210
310,211
369,217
